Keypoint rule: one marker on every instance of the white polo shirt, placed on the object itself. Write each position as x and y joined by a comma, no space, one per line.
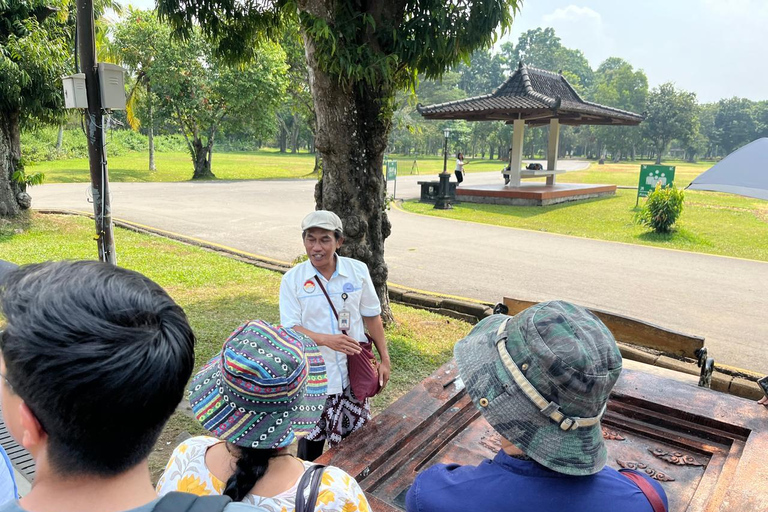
302,303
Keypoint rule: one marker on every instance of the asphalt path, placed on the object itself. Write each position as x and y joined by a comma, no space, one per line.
722,299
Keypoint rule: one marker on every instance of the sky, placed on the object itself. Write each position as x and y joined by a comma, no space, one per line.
717,49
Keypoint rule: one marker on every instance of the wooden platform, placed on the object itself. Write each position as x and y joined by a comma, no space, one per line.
706,448
533,194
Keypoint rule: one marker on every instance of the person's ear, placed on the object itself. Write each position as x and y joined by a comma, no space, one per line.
33,432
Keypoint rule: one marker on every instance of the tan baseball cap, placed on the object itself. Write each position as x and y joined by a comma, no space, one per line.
322,219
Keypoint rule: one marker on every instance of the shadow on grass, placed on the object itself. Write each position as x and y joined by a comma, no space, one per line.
679,235
9,228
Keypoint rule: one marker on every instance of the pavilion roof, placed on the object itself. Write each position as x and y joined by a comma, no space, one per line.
535,95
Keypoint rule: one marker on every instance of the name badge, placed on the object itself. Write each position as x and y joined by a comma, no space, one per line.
344,320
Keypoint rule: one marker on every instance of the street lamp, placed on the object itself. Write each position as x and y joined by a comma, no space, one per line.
443,200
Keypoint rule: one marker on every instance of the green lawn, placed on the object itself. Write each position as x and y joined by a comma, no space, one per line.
177,166
627,173
711,223
219,293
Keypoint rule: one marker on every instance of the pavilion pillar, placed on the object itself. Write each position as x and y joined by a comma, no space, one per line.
552,148
516,156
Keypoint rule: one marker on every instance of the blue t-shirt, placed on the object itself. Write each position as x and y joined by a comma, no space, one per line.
8,489
506,483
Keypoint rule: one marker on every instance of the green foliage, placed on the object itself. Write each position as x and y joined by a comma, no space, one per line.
541,48
372,43
27,180
671,114
198,91
662,209
33,57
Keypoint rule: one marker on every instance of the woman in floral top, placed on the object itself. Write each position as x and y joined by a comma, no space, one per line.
266,387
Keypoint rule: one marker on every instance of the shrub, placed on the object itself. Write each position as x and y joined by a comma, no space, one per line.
662,209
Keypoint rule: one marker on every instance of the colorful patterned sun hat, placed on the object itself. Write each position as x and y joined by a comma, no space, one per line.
542,380
266,386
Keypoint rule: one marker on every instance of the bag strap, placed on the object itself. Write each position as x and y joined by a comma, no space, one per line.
649,490
185,502
329,301
315,475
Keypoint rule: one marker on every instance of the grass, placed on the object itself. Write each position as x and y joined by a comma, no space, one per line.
177,166
711,223
218,294
627,173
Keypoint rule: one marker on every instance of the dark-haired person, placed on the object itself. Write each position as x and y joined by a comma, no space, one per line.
306,294
266,387
459,170
95,359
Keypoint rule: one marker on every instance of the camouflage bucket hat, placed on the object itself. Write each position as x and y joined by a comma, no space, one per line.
542,379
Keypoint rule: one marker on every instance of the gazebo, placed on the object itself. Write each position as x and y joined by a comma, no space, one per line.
535,97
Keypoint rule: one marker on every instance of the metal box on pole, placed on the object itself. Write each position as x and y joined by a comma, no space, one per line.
74,91
112,85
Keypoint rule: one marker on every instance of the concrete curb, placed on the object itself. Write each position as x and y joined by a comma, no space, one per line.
734,381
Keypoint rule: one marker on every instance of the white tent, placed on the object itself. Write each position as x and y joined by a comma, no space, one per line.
743,172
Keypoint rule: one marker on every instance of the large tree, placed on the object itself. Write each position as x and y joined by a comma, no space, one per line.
735,123
200,92
541,48
360,52
671,114
618,85
33,57
135,44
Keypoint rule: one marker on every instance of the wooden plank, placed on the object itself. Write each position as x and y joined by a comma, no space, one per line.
632,330
706,448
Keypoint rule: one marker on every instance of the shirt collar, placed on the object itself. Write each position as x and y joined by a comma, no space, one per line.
342,269
522,467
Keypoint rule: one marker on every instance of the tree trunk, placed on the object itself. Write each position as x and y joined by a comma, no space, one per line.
282,138
352,130
201,158
151,131
60,138
10,153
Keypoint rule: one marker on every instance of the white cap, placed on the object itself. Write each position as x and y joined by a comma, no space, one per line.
322,219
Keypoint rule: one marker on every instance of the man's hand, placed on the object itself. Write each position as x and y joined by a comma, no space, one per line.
341,343
383,368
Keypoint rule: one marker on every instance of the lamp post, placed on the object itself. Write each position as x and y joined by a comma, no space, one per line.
443,201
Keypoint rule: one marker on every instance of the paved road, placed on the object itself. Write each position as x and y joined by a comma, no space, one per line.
723,299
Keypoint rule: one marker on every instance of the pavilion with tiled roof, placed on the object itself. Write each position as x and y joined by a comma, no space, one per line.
535,97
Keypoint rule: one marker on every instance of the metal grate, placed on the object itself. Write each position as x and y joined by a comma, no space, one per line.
20,458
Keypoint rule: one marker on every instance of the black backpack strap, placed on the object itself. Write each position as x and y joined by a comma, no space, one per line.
311,478
185,502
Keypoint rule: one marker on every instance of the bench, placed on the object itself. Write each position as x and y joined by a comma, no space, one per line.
431,189
528,173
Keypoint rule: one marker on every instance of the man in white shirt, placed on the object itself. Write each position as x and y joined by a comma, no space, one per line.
304,307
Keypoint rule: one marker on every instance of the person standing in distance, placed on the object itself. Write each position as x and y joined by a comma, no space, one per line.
459,171
305,308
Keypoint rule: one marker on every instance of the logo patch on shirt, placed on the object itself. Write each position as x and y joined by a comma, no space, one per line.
309,286
348,288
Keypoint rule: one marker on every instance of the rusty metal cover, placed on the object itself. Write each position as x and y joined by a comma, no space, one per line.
706,448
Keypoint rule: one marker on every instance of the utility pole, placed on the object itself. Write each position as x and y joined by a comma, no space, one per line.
102,211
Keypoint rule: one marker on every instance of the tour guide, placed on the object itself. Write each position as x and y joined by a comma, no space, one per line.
304,307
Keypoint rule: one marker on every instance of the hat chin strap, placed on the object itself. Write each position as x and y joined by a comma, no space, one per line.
548,408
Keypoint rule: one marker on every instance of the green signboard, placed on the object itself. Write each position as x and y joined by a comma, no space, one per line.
391,166
650,175
390,169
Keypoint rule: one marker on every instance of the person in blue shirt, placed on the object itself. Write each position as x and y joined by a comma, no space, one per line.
542,380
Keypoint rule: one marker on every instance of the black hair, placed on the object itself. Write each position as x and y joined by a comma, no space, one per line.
251,465
101,356
459,155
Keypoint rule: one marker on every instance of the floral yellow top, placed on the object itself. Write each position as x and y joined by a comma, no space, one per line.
187,472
